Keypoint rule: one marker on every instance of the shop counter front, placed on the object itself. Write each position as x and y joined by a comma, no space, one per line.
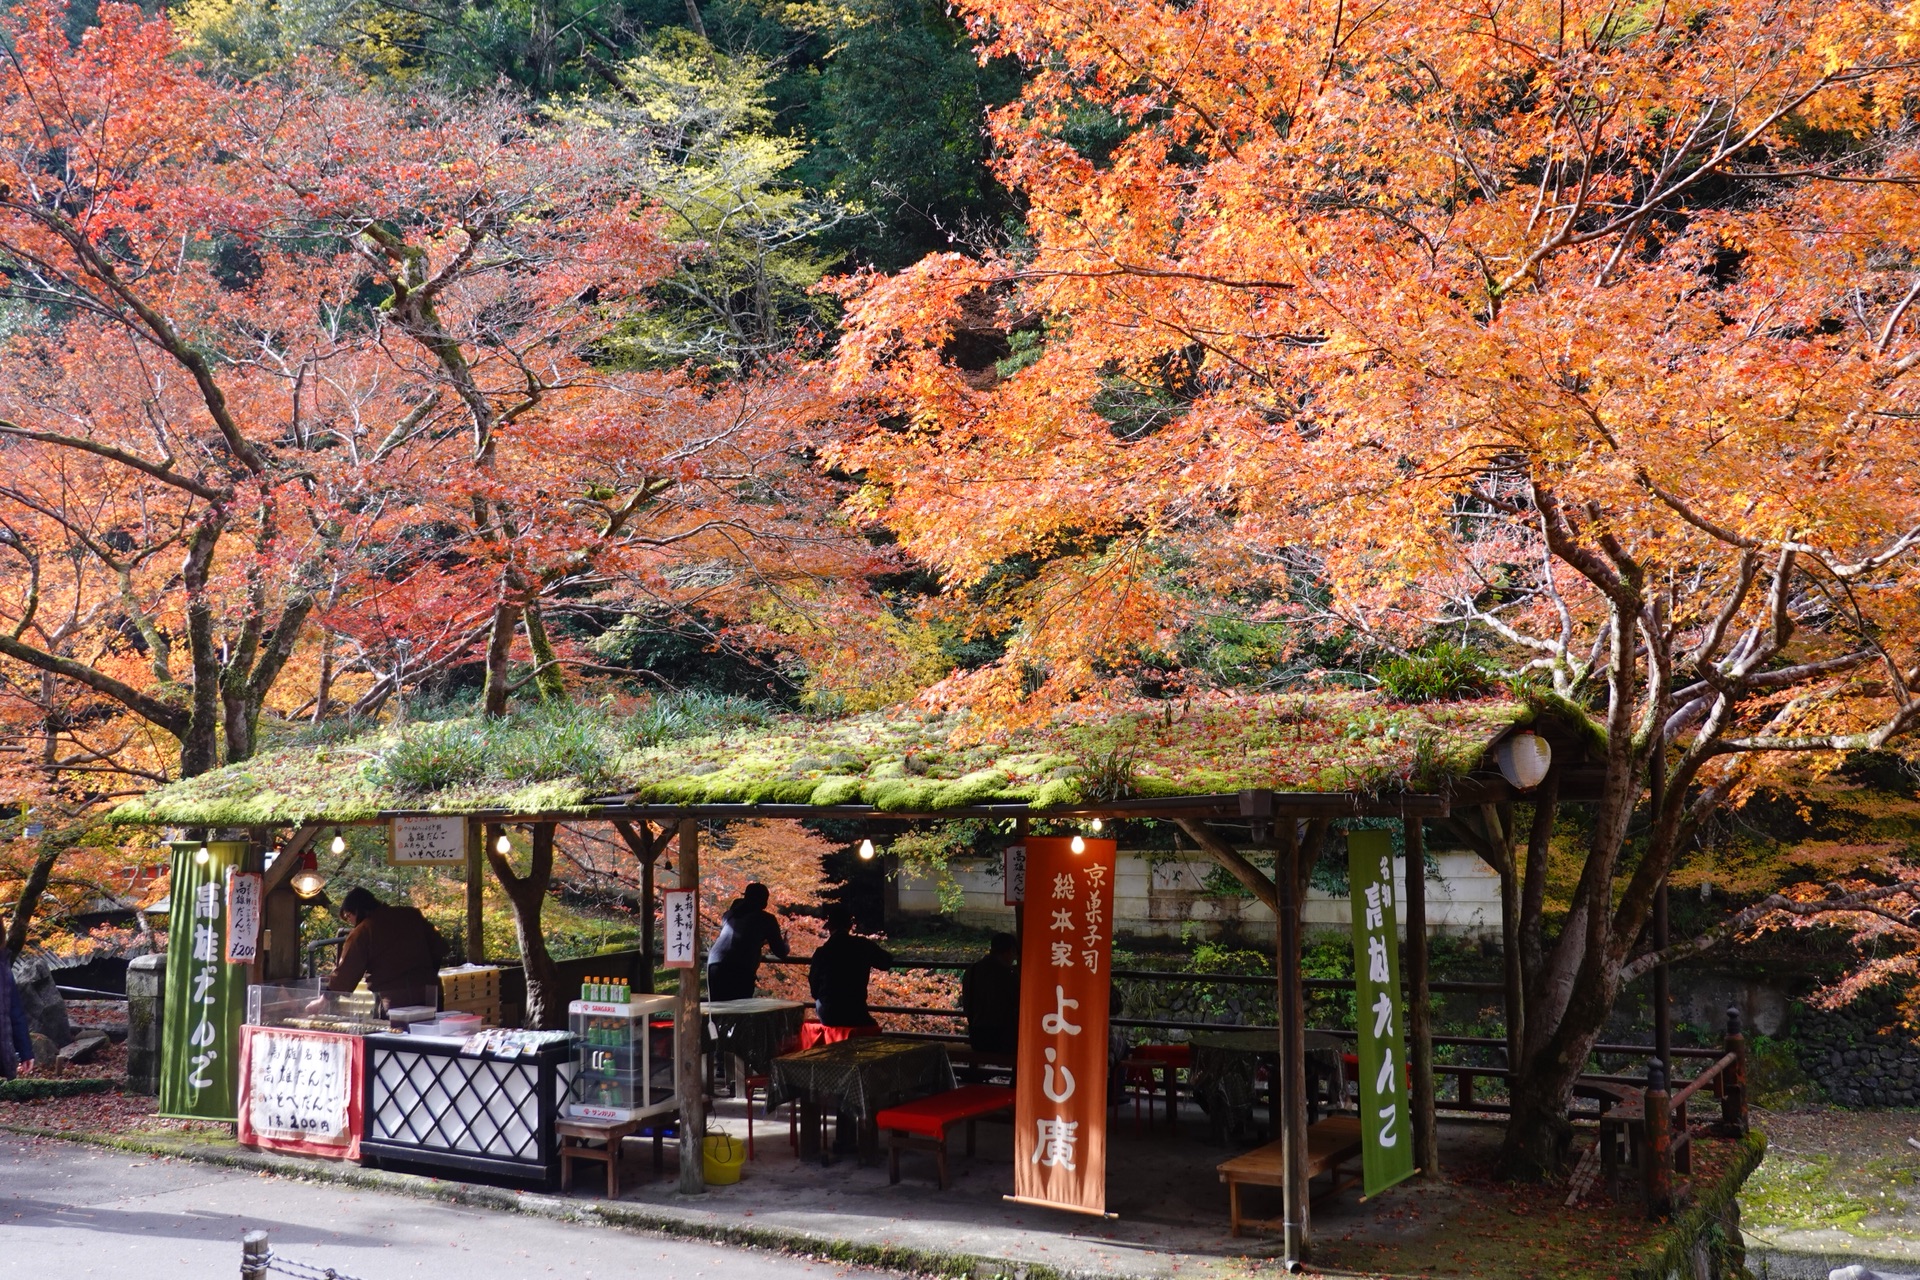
447,1106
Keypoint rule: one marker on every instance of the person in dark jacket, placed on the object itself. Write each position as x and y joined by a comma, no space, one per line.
396,949
733,962
990,997
16,1037
839,973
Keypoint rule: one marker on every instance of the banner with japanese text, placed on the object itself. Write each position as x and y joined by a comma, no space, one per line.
206,996
1066,980
1386,1129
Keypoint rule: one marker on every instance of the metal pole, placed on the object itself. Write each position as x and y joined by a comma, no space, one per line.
687,1076
1297,1239
1662,1002
1426,1145
253,1255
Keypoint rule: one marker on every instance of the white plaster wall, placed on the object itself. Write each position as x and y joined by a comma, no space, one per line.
1163,901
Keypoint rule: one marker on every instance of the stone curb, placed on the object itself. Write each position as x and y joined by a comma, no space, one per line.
653,1219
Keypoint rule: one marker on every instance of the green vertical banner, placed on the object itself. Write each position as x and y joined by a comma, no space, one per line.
206,997
1386,1126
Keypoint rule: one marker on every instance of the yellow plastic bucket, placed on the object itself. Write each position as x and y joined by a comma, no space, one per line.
722,1157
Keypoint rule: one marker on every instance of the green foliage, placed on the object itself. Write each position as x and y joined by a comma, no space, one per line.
1774,1077
722,177
1437,673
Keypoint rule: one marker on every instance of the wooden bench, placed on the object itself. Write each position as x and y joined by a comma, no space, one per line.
1331,1143
575,1134
924,1123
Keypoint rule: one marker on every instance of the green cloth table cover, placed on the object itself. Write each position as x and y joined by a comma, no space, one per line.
752,1030
1225,1064
862,1076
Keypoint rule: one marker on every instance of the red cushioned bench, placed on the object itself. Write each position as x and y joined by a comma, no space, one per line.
924,1123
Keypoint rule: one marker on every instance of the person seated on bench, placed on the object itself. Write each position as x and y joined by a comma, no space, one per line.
990,997
837,978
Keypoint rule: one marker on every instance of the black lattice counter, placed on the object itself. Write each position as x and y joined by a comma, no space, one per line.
430,1105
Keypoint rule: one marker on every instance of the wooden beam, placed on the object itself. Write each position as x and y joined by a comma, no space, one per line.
1297,1236
1256,881
1426,1145
476,893
688,1079
280,909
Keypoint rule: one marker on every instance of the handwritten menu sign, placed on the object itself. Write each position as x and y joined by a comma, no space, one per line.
1016,874
682,911
415,842
299,1086
243,917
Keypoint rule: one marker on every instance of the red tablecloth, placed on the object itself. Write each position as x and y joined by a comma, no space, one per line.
815,1034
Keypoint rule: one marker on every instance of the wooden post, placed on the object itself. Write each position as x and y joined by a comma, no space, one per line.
1426,1145
477,835
1733,1090
647,906
1297,1236
1657,1175
280,909
254,1255
1662,992
688,1083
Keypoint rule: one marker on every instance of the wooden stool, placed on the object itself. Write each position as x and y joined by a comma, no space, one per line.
576,1134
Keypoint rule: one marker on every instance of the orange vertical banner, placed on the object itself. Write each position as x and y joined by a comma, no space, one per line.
1066,979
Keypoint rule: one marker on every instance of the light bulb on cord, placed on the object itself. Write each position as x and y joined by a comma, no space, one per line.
1079,844
503,844
866,851
203,856
339,843
1097,824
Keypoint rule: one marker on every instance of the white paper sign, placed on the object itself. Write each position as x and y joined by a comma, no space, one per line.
243,917
681,908
1015,874
413,842
299,1086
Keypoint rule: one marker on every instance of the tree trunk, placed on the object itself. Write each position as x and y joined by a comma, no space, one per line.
547,677
30,894
506,618
546,1003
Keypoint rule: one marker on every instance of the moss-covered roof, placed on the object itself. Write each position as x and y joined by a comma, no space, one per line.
900,761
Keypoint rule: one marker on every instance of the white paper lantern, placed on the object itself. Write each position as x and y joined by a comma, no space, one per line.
1524,759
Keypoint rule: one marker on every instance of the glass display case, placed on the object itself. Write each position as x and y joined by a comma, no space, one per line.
304,1006
625,1059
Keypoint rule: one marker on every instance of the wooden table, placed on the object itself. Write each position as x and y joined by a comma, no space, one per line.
857,1078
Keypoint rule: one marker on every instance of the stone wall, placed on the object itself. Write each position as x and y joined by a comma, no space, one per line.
1156,898
1859,1054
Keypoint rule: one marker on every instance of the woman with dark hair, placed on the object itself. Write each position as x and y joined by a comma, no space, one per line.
396,949
733,962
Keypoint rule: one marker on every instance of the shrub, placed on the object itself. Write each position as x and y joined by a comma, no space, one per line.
1437,673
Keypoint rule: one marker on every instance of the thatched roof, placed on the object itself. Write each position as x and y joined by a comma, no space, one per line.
896,761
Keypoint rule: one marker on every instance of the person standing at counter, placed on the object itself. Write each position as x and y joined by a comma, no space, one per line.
396,949
733,962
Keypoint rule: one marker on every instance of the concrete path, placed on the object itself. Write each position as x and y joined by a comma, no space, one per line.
69,1210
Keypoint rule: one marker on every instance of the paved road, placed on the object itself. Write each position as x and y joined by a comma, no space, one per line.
69,1210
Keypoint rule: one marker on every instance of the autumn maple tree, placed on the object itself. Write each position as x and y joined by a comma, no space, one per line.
1590,328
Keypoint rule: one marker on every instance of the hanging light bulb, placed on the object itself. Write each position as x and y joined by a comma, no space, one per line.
1097,824
866,851
308,883
503,845
1079,844
202,856
339,842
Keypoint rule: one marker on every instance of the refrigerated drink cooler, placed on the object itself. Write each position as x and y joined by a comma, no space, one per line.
625,1059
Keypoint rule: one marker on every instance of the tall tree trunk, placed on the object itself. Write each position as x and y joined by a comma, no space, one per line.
547,677
546,1003
30,894
506,620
